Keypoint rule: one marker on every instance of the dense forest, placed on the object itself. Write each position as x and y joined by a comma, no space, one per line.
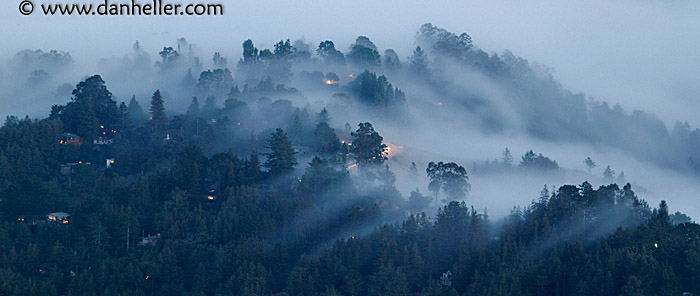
256,187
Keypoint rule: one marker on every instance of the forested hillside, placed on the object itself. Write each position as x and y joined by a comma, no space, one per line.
275,178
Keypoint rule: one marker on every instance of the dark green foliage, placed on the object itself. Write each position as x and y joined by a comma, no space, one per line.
538,162
375,90
157,110
312,238
325,139
419,62
250,53
169,59
281,159
283,50
193,110
90,108
367,146
364,53
326,50
450,178
136,113
222,226
216,81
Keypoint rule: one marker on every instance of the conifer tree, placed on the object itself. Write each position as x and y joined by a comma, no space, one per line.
282,157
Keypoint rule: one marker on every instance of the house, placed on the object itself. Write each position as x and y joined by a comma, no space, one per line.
58,217
149,241
71,168
71,139
301,150
67,169
211,195
102,141
446,279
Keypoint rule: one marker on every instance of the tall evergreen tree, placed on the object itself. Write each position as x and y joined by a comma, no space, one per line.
193,110
608,174
419,62
282,158
135,111
157,110
507,158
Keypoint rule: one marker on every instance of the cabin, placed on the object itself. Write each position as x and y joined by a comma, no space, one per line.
58,217
149,241
71,140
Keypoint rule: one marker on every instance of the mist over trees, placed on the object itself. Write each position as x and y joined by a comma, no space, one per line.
276,174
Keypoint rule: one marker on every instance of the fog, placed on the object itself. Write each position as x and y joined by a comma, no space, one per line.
644,55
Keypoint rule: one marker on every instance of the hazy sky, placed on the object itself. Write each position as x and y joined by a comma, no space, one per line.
644,54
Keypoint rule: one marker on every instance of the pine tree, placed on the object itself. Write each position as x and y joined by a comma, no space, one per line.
157,110
281,158
419,62
326,141
193,110
135,111
296,130
323,117
608,174
252,168
507,158
621,178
